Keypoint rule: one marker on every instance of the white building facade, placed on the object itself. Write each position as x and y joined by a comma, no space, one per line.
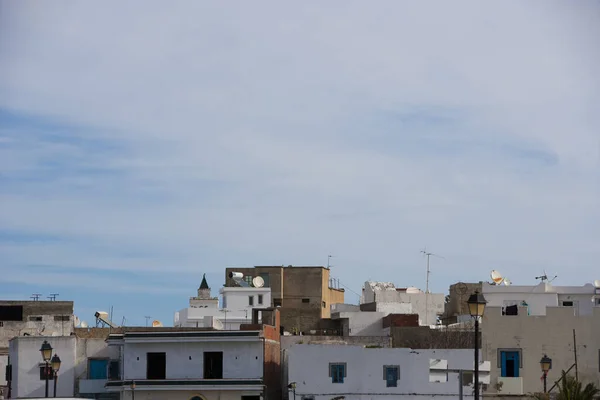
235,309
322,372
199,365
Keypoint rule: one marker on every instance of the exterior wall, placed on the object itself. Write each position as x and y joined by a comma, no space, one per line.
541,296
237,299
428,306
186,394
242,360
25,357
371,341
363,323
47,310
457,299
423,337
308,366
89,349
535,336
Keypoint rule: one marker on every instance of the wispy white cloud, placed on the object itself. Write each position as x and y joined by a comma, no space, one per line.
198,136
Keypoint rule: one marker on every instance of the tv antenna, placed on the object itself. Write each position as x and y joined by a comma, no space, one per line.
429,254
147,319
328,260
544,278
52,296
35,296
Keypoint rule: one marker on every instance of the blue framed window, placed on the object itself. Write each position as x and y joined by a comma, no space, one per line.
391,375
98,369
337,372
510,363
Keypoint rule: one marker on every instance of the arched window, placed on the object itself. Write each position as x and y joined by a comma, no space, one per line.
197,398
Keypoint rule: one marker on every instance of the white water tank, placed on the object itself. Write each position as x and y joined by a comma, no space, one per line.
412,290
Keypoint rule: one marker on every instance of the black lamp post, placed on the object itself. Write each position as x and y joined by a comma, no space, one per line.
292,387
46,351
476,304
546,364
55,367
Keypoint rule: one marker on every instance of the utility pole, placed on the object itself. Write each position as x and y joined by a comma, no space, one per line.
147,319
328,260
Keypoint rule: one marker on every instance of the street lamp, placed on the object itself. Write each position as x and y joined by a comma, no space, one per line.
292,387
46,351
55,367
546,364
476,304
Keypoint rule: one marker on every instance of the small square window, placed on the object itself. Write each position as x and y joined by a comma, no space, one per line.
306,300
337,372
277,302
35,318
62,318
391,375
260,299
250,300
324,305
567,304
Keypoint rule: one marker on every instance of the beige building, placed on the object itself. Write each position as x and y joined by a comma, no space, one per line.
515,344
305,294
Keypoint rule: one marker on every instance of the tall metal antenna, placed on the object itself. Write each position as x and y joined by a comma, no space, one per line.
328,259
147,319
428,254
35,296
52,296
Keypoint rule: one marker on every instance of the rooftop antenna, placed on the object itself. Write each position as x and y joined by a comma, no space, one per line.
329,259
35,296
428,254
52,296
544,278
147,319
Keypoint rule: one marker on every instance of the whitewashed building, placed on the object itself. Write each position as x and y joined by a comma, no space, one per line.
321,372
536,298
196,364
235,309
86,366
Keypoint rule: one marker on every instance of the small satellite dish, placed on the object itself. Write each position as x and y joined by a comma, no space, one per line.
84,324
496,277
597,283
156,324
507,282
258,281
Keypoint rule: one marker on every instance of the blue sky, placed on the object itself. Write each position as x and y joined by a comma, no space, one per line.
144,144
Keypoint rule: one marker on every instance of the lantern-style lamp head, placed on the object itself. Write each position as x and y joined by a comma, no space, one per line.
476,304
55,363
46,351
292,385
546,363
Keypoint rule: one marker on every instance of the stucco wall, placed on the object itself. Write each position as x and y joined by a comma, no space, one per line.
381,341
535,336
308,366
25,357
187,395
186,359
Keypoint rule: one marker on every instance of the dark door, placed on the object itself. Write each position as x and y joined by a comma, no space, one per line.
213,365
156,365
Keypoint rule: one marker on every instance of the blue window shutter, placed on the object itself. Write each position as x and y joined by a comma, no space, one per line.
98,369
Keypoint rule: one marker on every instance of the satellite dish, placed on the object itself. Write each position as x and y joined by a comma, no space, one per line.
507,282
84,324
597,283
258,281
496,277
156,324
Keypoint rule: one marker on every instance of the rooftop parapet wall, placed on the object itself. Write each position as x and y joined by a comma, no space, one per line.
552,313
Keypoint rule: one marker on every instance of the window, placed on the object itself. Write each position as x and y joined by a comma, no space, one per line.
276,302
114,370
43,371
156,365
1,323
250,397
62,318
510,363
324,305
260,299
307,398
213,365
98,369
391,374
250,300
306,300
11,313
337,372
567,304
467,378
224,301
35,319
